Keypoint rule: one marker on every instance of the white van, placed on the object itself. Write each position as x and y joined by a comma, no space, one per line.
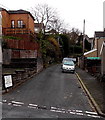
68,66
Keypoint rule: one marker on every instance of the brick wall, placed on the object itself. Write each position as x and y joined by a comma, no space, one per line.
22,44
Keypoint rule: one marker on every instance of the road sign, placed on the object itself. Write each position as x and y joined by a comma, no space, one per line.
8,81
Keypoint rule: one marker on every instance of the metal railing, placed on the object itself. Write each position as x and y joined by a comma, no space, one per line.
11,31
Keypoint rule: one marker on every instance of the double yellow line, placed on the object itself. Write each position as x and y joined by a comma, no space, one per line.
93,102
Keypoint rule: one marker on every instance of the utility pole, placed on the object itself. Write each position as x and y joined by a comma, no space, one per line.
83,43
0,62
0,37
83,36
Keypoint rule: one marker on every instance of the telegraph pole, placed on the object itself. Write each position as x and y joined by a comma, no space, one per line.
0,62
83,36
83,43
0,38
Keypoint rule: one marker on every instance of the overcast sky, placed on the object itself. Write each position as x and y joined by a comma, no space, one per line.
73,12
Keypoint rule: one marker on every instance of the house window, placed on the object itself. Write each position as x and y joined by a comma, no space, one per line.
12,24
20,24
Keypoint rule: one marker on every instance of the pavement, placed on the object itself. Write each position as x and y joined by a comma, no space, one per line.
94,89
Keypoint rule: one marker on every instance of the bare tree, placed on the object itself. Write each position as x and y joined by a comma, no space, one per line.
56,24
74,34
44,14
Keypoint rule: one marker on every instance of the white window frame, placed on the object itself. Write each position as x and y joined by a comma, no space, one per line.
20,23
12,23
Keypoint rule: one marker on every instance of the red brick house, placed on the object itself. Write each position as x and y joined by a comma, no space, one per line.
19,36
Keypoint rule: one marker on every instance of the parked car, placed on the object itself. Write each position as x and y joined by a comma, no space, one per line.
66,59
69,59
68,66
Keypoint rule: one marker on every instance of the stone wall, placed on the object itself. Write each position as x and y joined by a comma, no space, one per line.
39,64
21,75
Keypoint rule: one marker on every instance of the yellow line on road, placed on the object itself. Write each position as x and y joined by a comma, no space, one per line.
93,102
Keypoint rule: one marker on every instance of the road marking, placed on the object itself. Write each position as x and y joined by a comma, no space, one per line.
72,112
64,111
91,112
79,113
53,109
78,110
9,103
59,111
33,105
4,100
17,105
14,102
93,116
91,100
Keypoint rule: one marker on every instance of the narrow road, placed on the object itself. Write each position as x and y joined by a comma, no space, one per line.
50,94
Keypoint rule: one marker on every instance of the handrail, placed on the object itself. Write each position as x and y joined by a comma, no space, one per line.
8,31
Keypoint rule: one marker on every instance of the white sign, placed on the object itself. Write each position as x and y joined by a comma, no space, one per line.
8,81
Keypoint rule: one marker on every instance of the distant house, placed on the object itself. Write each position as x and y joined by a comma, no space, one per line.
98,41
39,27
95,58
51,32
91,40
99,37
19,35
102,54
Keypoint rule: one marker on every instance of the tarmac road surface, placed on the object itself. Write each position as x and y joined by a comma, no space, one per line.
50,94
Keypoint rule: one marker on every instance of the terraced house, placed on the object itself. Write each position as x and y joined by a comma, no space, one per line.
96,56
19,40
